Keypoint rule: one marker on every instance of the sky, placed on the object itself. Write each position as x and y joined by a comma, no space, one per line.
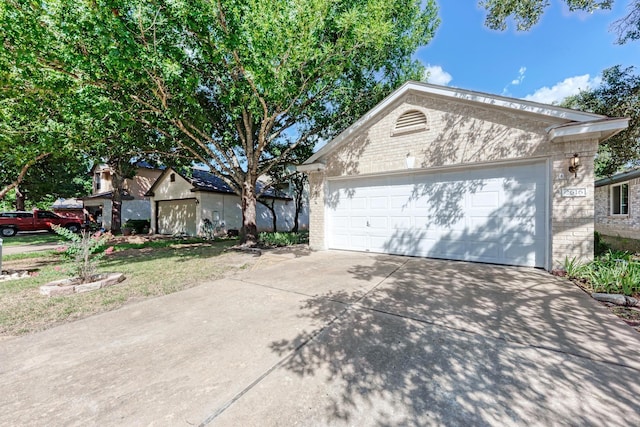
565,52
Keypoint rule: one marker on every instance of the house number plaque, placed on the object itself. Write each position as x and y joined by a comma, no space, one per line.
574,192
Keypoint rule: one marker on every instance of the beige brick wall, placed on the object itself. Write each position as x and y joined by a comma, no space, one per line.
316,210
462,133
572,217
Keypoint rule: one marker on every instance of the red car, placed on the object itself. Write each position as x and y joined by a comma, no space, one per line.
12,222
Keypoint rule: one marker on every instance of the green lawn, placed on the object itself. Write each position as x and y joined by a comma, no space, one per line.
31,239
152,269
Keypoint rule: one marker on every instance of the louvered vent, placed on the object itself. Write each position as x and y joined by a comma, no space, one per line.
411,120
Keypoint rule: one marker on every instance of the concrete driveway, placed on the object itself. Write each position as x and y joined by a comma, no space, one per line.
336,338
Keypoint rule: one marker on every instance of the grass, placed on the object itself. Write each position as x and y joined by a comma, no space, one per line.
28,255
31,239
151,269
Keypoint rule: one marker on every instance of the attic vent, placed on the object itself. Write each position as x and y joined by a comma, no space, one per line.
411,121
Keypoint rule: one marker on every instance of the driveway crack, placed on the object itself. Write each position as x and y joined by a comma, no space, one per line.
348,307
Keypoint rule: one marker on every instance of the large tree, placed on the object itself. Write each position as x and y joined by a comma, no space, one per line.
527,13
628,27
231,83
617,96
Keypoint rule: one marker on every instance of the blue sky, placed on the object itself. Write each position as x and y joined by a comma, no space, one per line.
565,52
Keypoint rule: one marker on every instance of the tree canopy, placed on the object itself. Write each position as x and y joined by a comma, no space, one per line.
617,96
527,13
236,85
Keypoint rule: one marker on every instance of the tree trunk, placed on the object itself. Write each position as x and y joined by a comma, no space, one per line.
19,199
298,202
249,232
117,181
298,180
272,209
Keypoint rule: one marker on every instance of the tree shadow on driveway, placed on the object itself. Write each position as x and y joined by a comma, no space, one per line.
456,343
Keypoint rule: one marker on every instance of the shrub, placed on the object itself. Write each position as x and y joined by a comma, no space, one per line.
82,251
599,247
574,268
615,272
283,239
140,226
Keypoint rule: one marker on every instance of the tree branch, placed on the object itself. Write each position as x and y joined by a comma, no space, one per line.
22,174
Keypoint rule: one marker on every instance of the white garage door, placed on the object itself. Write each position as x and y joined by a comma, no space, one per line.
177,217
494,215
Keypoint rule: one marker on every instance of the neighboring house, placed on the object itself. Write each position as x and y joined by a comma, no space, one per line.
71,207
135,205
181,204
448,173
618,205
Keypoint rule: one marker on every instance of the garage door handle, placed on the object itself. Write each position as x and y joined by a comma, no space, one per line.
368,224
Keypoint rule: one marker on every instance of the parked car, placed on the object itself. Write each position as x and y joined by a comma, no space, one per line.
12,222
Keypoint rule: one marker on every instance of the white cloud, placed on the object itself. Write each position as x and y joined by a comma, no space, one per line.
567,87
520,78
436,75
516,81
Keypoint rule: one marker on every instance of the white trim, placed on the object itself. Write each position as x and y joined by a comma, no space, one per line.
436,169
520,106
548,222
601,129
310,167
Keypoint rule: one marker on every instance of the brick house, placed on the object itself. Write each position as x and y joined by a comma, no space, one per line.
135,205
449,173
617,205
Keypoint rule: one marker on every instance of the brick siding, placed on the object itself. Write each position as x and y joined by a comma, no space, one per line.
618,225
460,133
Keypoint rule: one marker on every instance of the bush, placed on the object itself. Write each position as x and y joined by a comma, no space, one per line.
140,226
83,251
599,247
283,239
615,273
611,273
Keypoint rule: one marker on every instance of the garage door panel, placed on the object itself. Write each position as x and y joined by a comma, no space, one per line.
358,222
401,222
491,215
359,203
177,217
485,199
378,203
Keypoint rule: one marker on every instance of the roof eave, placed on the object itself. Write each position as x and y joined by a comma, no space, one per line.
600,129
518,105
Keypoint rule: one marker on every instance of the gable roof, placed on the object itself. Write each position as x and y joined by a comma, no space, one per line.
202,180
619,177
70,203
588,123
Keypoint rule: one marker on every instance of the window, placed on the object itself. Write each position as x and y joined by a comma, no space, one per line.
97,180
620,199
172,177
47,214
